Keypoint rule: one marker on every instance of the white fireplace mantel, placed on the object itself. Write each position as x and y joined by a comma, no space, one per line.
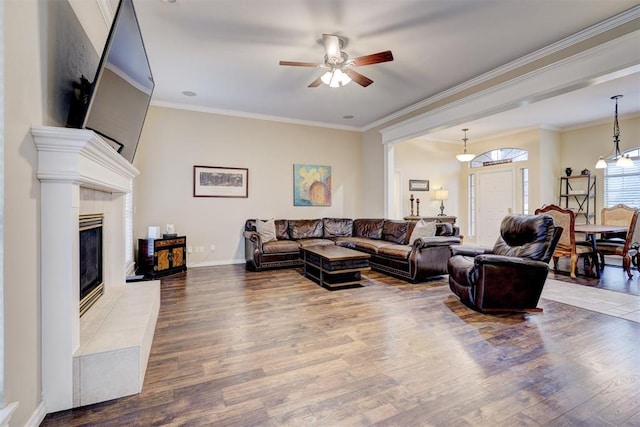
81,157
69,159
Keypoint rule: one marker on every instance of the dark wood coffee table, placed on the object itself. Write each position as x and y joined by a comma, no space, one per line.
334,267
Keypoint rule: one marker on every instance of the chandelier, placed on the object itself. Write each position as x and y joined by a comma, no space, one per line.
621,161
465,157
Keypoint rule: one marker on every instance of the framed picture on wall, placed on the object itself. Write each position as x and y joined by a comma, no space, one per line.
311,185
418,185
213,181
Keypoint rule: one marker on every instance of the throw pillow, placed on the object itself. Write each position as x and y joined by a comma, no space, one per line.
266,229
423,229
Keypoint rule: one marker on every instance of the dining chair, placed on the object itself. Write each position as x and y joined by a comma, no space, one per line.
617,244
567,245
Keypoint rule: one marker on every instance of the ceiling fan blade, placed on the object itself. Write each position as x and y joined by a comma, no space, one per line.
300,64
374,58
331,45
358,78
317,82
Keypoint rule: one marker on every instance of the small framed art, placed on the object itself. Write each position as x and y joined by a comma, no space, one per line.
214,181
418,185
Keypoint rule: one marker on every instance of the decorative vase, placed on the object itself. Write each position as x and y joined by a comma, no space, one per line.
568,171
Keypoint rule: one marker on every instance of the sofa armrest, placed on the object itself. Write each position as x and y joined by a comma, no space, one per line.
470,251
252,235
426,242
252,249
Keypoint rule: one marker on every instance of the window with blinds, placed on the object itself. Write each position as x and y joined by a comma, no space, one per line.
622,185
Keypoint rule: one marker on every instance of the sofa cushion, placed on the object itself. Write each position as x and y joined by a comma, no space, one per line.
337,227
444,229
422,229
305,228
266,228
371,246
282,229
371,228
280,246
303,243
395,231
395,251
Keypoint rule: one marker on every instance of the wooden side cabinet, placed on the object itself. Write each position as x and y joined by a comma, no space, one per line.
160,257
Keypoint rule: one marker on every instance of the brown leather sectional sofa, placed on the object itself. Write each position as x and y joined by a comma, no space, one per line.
387,241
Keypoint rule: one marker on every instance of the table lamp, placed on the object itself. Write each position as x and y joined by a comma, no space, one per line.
441,195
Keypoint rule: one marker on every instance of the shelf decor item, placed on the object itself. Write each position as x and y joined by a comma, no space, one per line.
213,181
568,171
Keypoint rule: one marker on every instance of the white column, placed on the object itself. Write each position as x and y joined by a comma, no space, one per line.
60,291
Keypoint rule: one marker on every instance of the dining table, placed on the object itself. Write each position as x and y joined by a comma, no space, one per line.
591,230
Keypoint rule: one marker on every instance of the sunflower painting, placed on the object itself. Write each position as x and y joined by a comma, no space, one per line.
311,185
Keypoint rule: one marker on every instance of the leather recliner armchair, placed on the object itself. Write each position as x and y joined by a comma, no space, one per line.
510,276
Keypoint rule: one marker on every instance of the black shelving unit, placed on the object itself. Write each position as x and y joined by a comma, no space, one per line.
578,193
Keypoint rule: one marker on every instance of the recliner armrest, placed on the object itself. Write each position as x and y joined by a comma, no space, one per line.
470,251
503,260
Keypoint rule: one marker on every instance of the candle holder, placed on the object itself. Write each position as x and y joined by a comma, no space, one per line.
411,199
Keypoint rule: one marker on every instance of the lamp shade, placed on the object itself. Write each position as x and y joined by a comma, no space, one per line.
601,164
441,194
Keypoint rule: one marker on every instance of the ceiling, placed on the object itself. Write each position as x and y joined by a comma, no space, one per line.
227,52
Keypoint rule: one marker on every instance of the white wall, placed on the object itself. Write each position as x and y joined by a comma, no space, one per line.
436,162
25,61
173,141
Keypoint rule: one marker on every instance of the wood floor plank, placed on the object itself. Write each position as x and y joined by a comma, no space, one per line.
238,348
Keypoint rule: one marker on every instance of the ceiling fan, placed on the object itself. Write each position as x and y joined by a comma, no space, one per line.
339,66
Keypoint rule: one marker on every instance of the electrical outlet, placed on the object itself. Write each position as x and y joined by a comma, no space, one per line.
212,248
189,249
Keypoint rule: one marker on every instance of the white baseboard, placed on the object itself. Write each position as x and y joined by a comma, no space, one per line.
215,263
38,415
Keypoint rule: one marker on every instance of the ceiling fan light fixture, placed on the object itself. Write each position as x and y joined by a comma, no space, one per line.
465,157
335,78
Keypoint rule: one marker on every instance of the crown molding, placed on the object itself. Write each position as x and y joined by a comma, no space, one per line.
255,116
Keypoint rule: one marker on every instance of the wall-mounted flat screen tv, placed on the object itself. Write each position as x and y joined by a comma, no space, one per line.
122,88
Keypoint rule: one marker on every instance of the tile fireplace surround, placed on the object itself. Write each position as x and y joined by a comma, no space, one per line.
103,355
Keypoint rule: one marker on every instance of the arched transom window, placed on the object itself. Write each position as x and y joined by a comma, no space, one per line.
498,156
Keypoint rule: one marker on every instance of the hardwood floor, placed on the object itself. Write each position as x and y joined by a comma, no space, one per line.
273,348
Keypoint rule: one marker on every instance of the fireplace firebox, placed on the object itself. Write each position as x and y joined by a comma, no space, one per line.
91,283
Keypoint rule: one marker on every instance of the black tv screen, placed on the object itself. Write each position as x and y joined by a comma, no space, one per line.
122,88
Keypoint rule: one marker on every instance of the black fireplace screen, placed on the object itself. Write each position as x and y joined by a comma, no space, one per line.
90,256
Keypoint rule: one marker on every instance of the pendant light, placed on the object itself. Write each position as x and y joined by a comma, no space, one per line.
465,157
621,161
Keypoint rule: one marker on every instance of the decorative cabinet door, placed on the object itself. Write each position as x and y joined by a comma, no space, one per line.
157,257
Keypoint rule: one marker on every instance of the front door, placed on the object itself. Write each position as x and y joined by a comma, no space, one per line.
495,201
